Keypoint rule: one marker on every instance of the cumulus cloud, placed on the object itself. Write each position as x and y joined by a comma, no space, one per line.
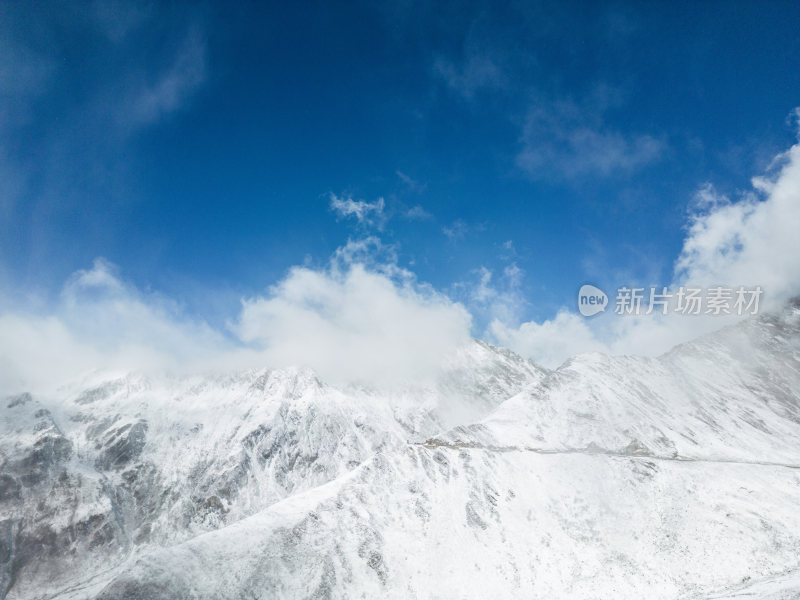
749,241
549,342
350,322
354,325
99,323
369,214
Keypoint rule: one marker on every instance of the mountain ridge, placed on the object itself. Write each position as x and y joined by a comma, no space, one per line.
606,476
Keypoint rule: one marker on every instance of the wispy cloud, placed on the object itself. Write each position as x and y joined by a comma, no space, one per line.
493,297
478,71
116,19
23,71
417,213
411,183
155,96
565,139
80,141
25,75
485,61
456,230
368,214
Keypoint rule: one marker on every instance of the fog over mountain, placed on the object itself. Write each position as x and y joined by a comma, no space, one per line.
676,476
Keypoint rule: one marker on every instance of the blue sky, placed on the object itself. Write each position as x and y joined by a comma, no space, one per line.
197,147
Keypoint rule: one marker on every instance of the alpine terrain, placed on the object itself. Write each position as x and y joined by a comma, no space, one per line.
608,477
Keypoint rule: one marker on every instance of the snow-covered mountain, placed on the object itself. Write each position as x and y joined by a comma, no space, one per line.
99,472
610,477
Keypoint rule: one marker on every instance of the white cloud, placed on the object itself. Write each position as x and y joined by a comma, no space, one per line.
494,298
80,148
150,100
456,230
417,213
478,71
349,322
482,64
412,184
565,139
549,343
751,241
747,242
362,317
513,274
99,323
354,325
366,213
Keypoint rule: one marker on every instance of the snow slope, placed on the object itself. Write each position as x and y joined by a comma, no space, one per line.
610,477
105,469
730,395
468,523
